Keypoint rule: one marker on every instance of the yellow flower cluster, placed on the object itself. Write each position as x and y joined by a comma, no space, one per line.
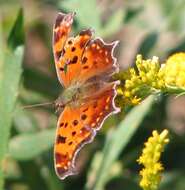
137,83
151,173
148,72
149,77
174,70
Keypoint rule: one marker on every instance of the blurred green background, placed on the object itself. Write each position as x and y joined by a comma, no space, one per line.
27,76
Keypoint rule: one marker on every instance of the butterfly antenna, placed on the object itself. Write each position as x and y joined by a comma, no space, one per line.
38,105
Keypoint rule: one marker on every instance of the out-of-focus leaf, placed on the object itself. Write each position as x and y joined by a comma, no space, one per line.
147,44
28,146
12,169
10,72
179,48
113,24
41,83
2,152
115,169
132,13
9,81
52,182
127,182
118,141
93,169
176,20
173,180
16,37
88,14
32,97
167,6
24,122
32,170
175,14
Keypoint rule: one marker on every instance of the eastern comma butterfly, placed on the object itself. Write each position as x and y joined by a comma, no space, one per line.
84,67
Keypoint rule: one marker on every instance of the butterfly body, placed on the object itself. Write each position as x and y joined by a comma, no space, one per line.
68,95
84,67
76,94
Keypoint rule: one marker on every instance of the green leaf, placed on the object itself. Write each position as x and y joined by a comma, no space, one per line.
148,43
16,37
10,72
28,146
118,141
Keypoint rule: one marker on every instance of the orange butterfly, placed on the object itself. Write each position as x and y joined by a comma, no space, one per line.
84,67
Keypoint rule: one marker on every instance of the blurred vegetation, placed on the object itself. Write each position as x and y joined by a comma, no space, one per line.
27,135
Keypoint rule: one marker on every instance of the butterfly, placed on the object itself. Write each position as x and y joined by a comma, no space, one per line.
84,67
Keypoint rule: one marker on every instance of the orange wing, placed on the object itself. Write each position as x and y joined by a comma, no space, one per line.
61,31
79,58
69,65
98,59
68,51
77,126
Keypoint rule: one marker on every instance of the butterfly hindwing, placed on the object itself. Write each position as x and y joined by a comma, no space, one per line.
78,125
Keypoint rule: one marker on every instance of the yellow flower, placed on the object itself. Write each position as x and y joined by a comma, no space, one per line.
174,70
150,77
137,83
148,70
151,173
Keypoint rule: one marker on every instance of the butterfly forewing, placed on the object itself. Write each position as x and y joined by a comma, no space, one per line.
98,59
71,58
61,31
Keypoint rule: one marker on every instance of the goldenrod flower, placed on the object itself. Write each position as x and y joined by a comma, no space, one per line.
137,83
173,72
150,159
149,77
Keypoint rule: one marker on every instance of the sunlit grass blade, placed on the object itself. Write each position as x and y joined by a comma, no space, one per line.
118,140
10,72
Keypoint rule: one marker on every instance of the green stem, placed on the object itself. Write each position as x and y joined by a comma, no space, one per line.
175,90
